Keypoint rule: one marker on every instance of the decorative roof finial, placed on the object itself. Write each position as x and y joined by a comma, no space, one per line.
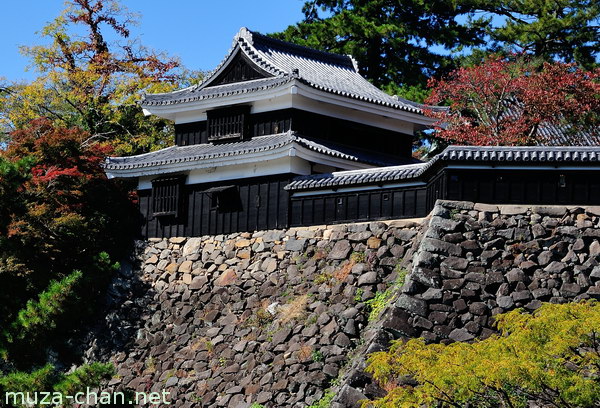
245,34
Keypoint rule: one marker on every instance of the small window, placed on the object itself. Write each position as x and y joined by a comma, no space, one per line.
229,123
224,198
166,193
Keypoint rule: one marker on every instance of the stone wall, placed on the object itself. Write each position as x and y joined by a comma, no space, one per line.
479,260
476,261
227,321
279,317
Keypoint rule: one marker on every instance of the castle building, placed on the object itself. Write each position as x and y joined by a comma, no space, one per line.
280,135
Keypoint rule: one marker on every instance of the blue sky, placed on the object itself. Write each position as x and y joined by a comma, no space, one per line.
199,32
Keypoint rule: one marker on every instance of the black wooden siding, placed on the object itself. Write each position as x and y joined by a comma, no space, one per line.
191,133
436,188
529,186
263,205
384,142
381,204
239,70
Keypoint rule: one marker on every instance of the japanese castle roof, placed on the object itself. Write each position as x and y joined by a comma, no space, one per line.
186,157
284,62
356,177
474,155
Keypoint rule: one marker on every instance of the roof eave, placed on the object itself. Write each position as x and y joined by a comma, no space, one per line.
171,110
293,87
287,150
400,113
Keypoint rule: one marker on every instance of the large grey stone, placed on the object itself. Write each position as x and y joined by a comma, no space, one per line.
485,207
458,205
455,263
505,302
555,267
368,278
444,224
295,244
512,209
273,235
404,234
440,247
192,246
553,211
570,289
427,277
341,250
350,397
461,335
412,304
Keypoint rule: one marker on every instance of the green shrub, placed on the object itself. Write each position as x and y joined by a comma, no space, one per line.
325,401
549,357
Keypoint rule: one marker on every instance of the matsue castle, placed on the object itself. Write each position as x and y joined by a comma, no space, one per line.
280,135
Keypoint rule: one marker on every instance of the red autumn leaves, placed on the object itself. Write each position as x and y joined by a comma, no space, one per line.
515,101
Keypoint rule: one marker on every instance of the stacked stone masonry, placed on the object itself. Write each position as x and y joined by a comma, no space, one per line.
268,317
279,317
476,261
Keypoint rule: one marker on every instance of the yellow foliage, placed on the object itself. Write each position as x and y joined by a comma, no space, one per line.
551,356
89,82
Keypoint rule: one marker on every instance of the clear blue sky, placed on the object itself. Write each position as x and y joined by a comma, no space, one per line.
199,32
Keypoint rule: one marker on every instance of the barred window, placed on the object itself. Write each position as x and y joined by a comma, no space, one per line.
224,198
230,123
166,193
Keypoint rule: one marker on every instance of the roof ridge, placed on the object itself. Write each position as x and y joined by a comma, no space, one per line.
525,148
243,36
140,155
348,60
377,169
254,55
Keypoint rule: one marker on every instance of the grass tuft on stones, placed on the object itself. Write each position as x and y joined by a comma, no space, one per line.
379,302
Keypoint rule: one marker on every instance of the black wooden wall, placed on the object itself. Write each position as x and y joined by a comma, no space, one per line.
528,186
381,204
263,205
383,142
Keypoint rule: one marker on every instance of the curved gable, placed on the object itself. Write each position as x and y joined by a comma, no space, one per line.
239,69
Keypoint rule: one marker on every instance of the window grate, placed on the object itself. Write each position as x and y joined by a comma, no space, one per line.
227,123
165,196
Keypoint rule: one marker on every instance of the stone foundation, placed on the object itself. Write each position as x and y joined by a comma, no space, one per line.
476,261
270,317
279,317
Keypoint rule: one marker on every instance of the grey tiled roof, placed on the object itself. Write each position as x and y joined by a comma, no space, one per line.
337,74
521,154
552,135
357,177
473,154
193,153
196,94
